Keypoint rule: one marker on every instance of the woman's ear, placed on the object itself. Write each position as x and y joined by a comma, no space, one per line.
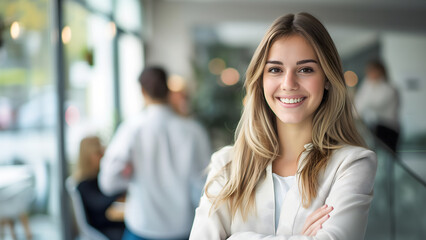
327,85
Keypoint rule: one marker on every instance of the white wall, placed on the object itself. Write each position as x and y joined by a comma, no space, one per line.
405,58
168,42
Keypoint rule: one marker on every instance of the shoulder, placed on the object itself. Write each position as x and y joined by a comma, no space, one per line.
217,174
187,126
220,159
349,151
348,155
133,121
192,124
388,87
127,131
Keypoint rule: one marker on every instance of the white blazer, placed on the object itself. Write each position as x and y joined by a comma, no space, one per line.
346,185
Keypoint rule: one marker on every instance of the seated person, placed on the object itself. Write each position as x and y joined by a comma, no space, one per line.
94,201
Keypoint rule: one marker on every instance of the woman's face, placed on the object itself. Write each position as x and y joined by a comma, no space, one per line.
293,81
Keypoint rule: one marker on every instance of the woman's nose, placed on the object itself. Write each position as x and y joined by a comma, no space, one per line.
289,82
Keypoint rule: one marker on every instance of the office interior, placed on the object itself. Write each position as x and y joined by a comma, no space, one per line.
69,68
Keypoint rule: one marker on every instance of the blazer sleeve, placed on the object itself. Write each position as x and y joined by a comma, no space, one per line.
350,195
213,224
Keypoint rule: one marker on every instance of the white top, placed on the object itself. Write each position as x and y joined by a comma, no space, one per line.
168,155
281,187
346,184
378,103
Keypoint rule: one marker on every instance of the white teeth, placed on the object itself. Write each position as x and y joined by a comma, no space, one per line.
291,100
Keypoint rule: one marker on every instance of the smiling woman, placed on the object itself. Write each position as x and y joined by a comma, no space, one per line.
298,168
293,81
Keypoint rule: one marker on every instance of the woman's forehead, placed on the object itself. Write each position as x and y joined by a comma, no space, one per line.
293,47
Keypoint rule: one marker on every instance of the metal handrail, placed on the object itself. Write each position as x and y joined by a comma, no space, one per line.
396,157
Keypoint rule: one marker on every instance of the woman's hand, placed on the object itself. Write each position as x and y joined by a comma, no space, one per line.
315,220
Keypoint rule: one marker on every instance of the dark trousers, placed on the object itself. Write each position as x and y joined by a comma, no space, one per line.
388,136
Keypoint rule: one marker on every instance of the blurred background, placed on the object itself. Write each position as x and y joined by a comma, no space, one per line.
69,68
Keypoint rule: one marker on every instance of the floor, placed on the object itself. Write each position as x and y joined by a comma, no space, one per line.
43,227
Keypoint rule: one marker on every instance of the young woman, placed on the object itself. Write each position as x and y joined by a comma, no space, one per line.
298,168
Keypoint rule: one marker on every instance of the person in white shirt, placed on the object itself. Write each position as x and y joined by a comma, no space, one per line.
298,168
167,155
377,103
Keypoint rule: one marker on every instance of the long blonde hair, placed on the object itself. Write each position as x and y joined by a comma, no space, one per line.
86,167
256,140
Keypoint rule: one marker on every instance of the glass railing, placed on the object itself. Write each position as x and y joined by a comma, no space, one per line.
398,210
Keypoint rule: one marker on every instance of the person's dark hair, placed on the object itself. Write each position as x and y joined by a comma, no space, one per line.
154,82
377,64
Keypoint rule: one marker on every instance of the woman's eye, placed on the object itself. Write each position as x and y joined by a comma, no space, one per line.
306,70
274,70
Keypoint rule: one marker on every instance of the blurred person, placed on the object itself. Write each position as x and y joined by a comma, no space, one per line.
167,154
96,204
298,168
377,103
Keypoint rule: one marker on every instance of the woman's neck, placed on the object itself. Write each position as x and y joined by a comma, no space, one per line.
292,138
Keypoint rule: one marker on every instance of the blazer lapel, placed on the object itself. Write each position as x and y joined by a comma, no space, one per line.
265,204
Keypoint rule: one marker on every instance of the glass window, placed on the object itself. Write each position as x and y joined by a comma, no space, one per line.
29,159
90,77
104,6
28,139
131,62
128,15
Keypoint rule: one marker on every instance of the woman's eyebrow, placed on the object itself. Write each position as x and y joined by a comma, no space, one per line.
274,62
306,61
297,63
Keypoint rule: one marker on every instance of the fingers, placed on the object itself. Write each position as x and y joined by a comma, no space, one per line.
319,213
313,229
313,217
315,220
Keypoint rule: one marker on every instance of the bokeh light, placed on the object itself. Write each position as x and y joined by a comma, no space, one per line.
66,34
15,30
176,83
230,76
216,66
351,79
